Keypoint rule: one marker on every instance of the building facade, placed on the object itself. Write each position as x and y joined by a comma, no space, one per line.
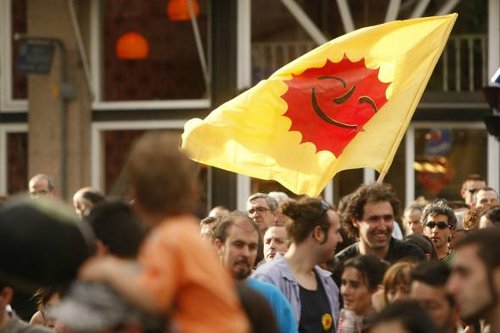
77,120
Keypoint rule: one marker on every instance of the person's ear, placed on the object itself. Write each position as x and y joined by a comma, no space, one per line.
452,233
318,234
355,223
218,245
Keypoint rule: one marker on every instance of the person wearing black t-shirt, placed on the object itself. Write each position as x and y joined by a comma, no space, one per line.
370,215
314,232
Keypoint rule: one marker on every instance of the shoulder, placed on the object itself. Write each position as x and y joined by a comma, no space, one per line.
37,319
326,277
276,265
272,271
266,288
259,284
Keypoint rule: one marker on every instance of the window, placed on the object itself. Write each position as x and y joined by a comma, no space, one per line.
13,85
170,72
14,163
111,143
444,157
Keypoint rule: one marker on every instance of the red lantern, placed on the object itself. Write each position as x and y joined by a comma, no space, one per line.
132,46
178,10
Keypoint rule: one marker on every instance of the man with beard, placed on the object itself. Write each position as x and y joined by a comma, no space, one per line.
236,240
314,231
439,222
475,277
428,286
369,216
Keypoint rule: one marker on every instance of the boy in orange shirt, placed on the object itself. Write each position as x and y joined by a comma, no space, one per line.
179,275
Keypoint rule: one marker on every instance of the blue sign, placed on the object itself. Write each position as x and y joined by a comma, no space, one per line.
35,58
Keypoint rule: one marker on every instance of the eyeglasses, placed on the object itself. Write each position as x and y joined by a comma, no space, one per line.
441,225
258,210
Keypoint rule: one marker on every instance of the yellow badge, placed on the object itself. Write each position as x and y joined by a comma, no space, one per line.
327,321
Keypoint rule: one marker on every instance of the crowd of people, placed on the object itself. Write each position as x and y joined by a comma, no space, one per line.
149,264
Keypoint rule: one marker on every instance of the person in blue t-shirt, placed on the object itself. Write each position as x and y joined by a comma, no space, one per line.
237,238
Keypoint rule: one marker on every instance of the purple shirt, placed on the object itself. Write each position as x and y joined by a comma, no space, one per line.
278,273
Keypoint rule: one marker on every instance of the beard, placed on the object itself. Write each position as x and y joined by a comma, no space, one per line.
480,312
243,270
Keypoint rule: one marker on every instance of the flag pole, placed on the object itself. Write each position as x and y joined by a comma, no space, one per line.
381,176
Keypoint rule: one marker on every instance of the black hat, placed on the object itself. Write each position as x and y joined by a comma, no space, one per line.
42,243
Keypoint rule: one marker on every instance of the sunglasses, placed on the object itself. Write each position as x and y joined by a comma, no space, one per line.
441,225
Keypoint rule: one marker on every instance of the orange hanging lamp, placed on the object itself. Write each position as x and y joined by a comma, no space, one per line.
132,46
178,10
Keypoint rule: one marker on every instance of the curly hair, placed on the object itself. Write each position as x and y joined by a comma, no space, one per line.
305,214
473,216
371,193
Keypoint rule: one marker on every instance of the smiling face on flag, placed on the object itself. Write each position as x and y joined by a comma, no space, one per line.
344,105
329,105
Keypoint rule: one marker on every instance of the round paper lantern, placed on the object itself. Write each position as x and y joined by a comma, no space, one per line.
178,10
132,46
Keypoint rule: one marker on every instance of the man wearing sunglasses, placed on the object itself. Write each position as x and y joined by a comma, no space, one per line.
439,222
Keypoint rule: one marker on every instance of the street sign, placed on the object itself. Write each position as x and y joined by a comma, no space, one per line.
35,58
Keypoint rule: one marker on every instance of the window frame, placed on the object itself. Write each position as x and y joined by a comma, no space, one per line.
7,102
492,150
97,76
98,128
6,129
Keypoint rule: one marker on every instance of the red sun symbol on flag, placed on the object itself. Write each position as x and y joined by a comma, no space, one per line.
330,105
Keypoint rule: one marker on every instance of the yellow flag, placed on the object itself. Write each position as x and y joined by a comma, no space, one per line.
344,105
